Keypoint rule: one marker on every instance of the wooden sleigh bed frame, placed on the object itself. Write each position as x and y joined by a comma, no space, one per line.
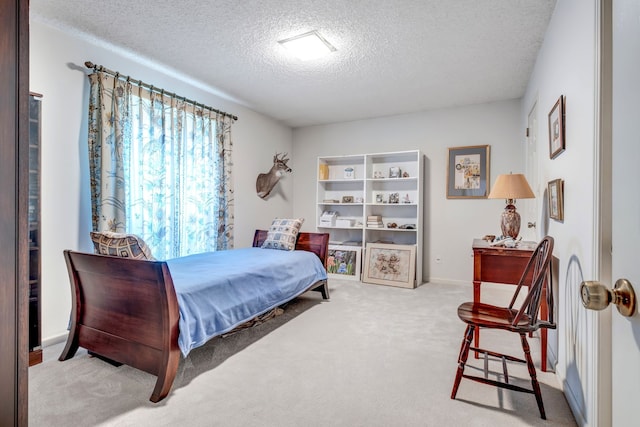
126,310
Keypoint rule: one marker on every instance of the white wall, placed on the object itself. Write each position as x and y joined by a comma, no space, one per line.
57,72
566,66
450,225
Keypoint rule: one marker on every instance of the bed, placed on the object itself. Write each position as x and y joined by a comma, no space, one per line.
145,314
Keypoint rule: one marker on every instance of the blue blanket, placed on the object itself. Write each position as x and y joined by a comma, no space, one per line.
218,291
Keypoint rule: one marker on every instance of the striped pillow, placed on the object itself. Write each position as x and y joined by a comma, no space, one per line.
283,234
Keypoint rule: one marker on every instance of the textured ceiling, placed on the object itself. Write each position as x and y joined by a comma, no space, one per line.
393,56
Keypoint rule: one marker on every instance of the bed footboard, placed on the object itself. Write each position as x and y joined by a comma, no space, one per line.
125,310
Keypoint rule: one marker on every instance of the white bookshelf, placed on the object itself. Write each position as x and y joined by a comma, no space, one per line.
371,189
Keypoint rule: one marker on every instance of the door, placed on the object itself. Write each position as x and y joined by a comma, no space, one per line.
530,224
625,331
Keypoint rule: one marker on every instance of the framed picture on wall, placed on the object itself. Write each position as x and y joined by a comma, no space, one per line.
555,192
389,264
556,128
344,262
468,172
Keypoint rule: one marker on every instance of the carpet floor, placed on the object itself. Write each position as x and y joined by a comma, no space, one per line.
371,356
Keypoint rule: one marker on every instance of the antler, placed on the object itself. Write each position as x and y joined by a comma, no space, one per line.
282,158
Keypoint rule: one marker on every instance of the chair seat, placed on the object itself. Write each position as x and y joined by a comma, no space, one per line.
491,316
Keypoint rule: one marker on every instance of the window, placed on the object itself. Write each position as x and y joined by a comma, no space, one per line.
160,168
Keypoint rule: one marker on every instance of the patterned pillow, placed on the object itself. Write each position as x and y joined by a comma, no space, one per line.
283,234
120,244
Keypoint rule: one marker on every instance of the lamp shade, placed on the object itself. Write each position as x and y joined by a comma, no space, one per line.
511,186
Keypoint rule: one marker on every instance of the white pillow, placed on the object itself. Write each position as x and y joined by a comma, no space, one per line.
283,234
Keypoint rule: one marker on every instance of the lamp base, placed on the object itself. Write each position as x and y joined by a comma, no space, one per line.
510,223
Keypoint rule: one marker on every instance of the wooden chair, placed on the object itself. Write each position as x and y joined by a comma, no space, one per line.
522,321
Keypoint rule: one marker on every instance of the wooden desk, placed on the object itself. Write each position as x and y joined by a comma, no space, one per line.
505,266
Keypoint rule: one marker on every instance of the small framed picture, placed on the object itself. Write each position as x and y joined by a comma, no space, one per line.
347,199
556,128
555,193
388,264
395,172
344,262
468,172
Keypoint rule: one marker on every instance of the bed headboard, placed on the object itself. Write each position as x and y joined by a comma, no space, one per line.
318,243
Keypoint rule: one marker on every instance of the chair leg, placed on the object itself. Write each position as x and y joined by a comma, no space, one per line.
462,358
532,372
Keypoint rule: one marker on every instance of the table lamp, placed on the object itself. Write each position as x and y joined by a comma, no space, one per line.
511,187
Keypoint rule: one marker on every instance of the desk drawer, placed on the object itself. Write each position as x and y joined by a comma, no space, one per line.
502,269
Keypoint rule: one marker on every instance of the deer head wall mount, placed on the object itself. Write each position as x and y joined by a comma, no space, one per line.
266,181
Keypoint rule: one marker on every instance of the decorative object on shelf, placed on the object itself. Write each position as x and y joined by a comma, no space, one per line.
392,265
556,128
375,221
347,199
394,172
406,199
359,200
344,262
323,172
266,181
489,237
405,174
555,192
328,219
378,175
379,198
349,172
511,187
330,201
394,198
407,227
468,172
344,222
392,225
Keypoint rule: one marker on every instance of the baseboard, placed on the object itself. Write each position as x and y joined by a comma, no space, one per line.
55,340
442,281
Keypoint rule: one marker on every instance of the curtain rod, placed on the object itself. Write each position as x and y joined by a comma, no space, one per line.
117,75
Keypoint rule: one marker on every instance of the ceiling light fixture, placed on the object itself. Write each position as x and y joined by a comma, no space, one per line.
309,45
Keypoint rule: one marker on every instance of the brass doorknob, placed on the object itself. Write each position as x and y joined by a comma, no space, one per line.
596,296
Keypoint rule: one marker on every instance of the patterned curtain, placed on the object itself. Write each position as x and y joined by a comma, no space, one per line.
160,168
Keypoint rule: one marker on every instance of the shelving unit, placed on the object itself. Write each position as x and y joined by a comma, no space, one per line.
35,345
374,190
